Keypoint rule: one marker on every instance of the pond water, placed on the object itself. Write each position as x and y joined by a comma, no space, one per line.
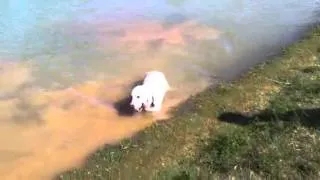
63,63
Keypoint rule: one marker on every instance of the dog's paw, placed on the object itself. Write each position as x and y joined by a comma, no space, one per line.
148,109
153,108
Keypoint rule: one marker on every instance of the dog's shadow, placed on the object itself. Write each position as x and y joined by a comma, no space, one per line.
123,106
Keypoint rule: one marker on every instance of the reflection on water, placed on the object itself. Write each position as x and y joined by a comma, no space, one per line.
12,77
64,64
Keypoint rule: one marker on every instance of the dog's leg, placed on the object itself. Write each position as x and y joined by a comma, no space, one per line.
153,108
148,103
156,108
157,103
148,107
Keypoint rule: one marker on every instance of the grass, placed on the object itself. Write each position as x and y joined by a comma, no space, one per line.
265,125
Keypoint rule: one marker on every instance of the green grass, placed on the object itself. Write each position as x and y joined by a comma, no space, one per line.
264,125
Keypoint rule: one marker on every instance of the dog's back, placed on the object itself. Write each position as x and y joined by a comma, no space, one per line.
156,79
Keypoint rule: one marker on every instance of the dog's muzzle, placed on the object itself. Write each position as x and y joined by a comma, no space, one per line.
140,108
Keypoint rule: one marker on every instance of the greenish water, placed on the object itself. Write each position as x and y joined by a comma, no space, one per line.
63,37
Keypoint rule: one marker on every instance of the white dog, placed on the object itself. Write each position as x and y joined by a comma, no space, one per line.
151,93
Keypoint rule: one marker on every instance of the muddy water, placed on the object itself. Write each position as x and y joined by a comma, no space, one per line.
63,65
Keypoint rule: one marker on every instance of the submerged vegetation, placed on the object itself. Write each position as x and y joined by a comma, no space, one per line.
265,125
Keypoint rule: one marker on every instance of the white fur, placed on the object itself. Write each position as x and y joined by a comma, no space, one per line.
153,90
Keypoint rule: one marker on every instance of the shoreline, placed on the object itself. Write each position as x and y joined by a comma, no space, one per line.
152,150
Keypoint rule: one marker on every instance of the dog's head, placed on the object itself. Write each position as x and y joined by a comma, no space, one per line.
139,97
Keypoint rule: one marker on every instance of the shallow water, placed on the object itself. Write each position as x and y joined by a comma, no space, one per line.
63,65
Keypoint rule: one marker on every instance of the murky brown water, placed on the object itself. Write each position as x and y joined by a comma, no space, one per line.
52,130
61,73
